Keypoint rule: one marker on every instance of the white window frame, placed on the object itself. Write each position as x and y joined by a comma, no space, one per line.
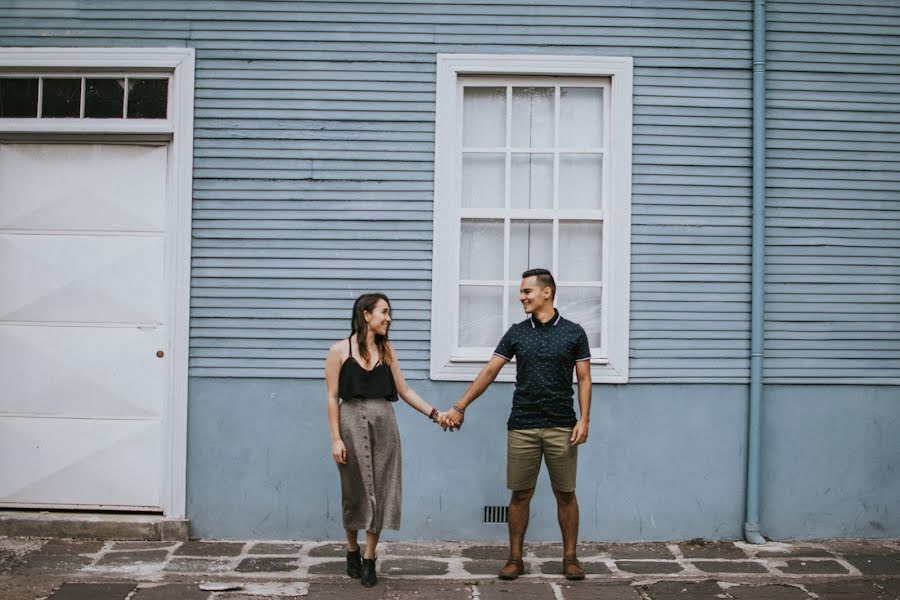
178,131
447,363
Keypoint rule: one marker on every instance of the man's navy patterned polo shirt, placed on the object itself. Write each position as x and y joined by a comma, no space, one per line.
545,355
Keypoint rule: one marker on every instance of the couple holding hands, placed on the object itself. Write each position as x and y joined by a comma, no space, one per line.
363,378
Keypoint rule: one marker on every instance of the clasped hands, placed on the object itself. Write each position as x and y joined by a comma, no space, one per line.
451,419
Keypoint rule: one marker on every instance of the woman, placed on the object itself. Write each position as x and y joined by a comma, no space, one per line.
363,372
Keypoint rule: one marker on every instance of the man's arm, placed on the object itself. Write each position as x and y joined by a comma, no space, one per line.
583,375
454,417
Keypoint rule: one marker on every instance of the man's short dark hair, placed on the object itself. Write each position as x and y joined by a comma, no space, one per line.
544,279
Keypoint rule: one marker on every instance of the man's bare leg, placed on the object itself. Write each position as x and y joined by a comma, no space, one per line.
519,506
518,523
567,513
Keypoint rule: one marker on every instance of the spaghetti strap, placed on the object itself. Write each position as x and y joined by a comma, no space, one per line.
350,346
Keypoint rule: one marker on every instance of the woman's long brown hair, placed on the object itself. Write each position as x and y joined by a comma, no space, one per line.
366,303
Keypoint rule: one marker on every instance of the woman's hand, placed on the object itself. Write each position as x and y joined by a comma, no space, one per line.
339,452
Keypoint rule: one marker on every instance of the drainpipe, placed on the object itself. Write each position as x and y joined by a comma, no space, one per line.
751,523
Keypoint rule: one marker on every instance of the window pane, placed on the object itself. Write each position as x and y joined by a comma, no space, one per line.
580,181
483,180
62,98
581,117
147,98
484,117
480,315
530,246
580,251
104,98
531,181
532,117
582,305
481,250
18,97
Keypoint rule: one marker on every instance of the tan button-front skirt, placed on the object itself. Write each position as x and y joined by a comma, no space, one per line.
371,487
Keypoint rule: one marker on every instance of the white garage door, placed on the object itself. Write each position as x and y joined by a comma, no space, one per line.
83,305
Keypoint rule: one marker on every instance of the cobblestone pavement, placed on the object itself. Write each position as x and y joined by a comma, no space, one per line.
32,569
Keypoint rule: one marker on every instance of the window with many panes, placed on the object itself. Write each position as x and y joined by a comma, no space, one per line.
527,178
83,96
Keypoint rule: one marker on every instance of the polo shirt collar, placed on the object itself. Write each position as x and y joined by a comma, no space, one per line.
551,323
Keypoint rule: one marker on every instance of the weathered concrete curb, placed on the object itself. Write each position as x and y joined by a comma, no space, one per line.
105,526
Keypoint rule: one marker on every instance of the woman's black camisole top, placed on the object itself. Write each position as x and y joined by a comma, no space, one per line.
355,383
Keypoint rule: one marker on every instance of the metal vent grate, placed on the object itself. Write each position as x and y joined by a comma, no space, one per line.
496,514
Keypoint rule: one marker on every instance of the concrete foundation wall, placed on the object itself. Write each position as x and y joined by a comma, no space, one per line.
831,462
663,462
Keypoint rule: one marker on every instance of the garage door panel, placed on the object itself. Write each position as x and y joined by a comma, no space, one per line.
73,462
86,279
93,187
83,311
82,372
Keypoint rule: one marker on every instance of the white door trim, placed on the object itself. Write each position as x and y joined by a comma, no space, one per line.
179,128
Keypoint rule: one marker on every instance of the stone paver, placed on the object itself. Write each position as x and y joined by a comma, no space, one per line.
171,591
861,546
331,550
892,586
701,549
198,565
515,590
647,550
93,591
794,551
276,549
138,557
728,566
135,545
437,551
488,567
329,567
683,590
491,552
648,567
556,550
767,592
875,564
63,547
588,591
412,566
39,563
210,549
27,588
405,589
267,565
346,590
554,567
847,590
813,567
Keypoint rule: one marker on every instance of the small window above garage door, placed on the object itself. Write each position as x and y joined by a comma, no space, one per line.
66,95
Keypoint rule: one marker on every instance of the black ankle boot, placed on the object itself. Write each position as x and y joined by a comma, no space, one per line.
354,564
368,572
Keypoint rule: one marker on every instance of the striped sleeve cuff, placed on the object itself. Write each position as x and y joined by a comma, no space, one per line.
588,357
506,358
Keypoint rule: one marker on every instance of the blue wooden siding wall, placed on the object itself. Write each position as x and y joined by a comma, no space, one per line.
833,271
314,170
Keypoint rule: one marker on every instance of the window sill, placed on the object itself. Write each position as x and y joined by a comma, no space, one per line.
469,370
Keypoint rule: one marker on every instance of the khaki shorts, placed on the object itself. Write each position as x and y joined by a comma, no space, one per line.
524,449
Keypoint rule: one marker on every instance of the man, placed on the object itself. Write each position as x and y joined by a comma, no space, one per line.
542,422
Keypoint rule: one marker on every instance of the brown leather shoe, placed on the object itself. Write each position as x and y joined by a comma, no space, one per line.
572,569
512,569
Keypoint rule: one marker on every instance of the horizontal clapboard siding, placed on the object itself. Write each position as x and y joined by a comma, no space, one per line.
833,213
314,163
